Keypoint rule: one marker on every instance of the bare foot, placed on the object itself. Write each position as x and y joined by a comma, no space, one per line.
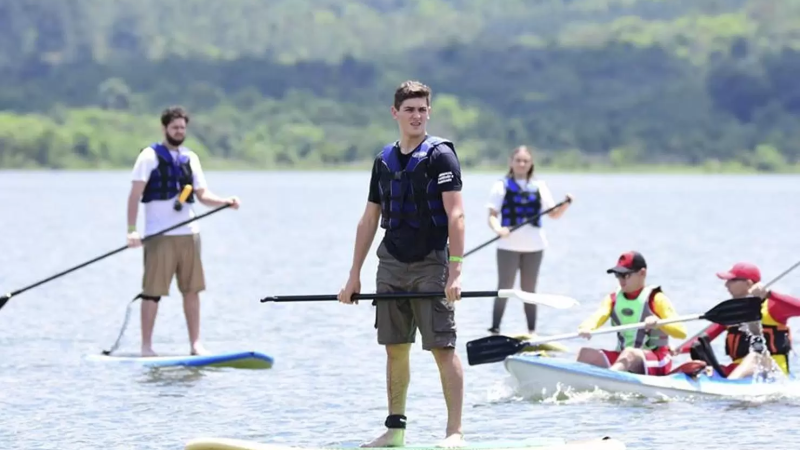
394,437
452,441
198,349
148,352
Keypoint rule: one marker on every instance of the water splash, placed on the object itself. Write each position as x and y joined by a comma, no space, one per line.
766,370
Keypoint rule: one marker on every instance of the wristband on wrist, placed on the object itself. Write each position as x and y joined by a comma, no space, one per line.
456,259
131,228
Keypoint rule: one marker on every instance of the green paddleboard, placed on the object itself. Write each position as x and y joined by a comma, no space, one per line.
210,443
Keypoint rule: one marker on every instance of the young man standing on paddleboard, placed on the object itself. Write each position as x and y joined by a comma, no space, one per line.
645,350
415,196
745,349
161,172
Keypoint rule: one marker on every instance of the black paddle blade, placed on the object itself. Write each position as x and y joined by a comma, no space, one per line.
492,349
735,311
4,299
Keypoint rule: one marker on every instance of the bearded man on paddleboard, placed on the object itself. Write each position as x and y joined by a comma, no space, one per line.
161,172
415,196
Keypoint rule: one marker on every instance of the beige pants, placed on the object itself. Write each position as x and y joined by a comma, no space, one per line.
169,256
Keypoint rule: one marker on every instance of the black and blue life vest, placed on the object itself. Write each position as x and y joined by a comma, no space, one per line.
168,178
520,204
407,193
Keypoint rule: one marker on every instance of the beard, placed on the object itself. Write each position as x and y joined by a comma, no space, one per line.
172,141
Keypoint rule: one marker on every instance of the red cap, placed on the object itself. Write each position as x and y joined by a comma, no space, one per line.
628,263
742,270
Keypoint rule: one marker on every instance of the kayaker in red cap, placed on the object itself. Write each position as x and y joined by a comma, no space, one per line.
743,280
645,350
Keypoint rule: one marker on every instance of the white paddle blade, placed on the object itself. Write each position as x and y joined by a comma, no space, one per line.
552,300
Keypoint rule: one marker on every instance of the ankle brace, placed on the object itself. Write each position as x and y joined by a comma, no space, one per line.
394,421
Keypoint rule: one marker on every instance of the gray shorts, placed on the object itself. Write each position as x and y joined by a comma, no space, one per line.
397,321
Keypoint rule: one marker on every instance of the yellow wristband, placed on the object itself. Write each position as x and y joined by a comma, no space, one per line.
456,259
131,228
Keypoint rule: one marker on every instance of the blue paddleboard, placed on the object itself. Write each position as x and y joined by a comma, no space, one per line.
239,360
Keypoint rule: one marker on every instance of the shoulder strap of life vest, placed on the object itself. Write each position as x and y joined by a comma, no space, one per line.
511,184
162,152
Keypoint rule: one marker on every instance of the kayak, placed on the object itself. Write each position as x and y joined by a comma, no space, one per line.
239,360
546,376
210,443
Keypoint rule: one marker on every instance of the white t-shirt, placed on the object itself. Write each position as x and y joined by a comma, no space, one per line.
527,238
160,214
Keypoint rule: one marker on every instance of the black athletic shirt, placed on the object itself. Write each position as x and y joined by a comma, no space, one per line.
403,243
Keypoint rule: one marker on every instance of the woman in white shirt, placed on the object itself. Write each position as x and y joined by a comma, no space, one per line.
513,200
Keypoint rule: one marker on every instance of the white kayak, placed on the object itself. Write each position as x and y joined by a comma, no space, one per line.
239,360
540,443
544,376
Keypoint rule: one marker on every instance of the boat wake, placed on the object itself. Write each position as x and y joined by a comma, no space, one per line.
508,390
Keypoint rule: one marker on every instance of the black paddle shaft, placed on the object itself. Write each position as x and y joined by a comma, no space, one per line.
381,296
518,226
4,299
730,312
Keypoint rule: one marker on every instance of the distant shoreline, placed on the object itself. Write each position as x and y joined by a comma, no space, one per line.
655,169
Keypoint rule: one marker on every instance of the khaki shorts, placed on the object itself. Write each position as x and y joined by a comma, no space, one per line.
397,321
168,256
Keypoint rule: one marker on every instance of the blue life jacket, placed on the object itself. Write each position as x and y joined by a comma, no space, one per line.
408,194
168,179
519,204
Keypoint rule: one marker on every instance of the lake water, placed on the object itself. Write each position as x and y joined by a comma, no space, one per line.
294,235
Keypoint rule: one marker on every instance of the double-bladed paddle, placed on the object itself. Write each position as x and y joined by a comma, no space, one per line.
552,300
729,312
4,299
518,226
687,344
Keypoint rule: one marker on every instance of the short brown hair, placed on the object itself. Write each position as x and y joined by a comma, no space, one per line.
411,89
173,113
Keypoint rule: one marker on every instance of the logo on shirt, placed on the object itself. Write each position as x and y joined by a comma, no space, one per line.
419,155
445,177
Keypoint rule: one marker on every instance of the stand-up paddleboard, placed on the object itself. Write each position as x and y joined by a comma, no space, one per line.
543,443
239,360
543,347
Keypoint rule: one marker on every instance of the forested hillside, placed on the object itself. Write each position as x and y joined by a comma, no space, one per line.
285,83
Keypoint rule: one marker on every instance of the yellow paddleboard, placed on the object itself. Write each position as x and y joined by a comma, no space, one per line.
545,347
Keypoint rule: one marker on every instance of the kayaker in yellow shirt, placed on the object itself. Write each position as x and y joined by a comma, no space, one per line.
645,350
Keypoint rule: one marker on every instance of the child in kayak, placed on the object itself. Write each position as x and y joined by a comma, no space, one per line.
644,350
748,348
